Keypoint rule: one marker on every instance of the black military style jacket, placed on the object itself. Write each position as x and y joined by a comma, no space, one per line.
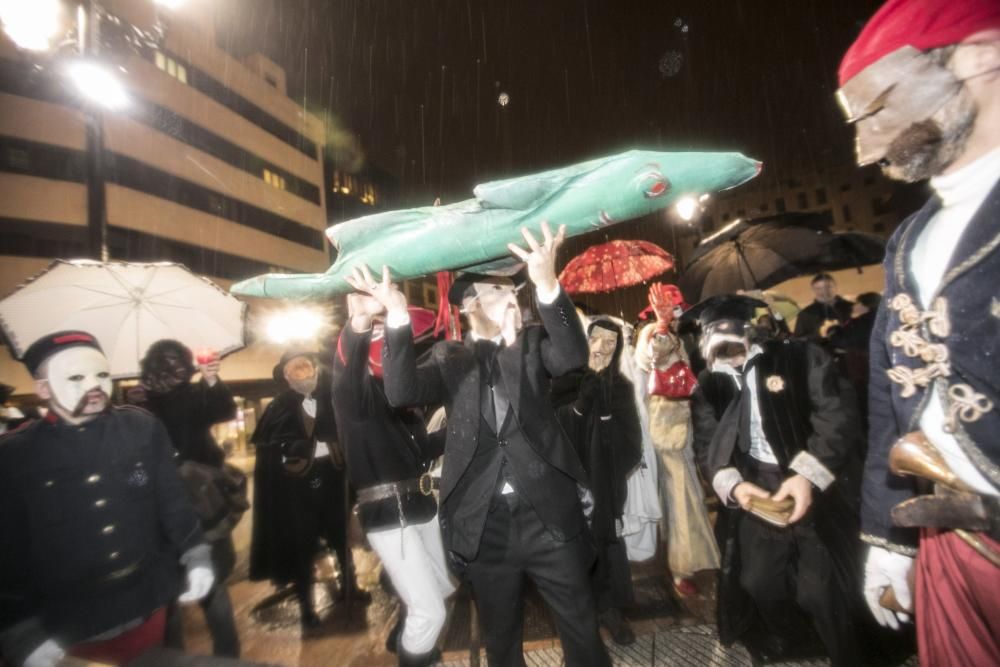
93,521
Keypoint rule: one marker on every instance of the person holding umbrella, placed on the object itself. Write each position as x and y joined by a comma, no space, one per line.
96,521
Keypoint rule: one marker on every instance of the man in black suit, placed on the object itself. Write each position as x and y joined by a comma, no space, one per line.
510,503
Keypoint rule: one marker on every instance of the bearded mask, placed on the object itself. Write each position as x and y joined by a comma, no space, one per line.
79,381
300,374
167,364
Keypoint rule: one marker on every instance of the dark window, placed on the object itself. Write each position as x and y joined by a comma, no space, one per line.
32,238
803,200
779,204
18,80
207,85
60,163
741,213
764,207
846,187
820,196
878,227
725,217
847,213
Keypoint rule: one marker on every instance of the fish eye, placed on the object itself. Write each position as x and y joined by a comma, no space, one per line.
104,375
75,378
654,184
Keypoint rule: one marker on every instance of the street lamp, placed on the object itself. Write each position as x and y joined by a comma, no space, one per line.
33,25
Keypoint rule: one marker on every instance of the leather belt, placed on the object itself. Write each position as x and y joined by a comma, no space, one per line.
425,485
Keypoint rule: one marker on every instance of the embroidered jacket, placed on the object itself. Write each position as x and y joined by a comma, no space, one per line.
952,347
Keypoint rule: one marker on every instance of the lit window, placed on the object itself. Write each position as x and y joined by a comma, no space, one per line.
171,67
182,74
267,177
161,61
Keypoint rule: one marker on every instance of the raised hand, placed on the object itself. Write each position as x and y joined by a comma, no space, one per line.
662,302
384,292
541,259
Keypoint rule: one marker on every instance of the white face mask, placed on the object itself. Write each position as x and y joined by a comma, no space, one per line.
80,381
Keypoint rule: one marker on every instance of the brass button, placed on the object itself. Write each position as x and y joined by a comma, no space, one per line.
100,503
107,530
94,479
114,555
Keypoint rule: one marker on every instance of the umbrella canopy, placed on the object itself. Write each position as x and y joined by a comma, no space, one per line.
126,306
757,254
613,265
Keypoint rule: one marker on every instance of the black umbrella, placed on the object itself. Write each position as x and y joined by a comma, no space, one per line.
760,253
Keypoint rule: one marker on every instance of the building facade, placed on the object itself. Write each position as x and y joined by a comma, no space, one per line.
209,164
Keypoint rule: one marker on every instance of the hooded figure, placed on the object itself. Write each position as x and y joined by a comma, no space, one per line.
298,488
598,411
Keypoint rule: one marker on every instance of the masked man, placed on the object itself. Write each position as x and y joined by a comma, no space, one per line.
921,85
597,408
95,520
510,503
770,424
388,452
298,485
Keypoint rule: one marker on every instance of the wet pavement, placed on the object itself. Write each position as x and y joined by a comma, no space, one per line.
353,634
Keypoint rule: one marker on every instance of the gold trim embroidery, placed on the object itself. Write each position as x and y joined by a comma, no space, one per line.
965,403
909,337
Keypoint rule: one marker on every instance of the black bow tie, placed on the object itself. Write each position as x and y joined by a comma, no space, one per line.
486,353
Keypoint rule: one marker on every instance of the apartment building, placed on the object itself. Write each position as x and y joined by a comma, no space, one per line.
209,163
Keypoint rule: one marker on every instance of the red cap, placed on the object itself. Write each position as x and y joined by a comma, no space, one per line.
922,24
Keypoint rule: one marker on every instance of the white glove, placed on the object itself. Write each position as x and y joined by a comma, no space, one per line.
199,582
887,568
48,654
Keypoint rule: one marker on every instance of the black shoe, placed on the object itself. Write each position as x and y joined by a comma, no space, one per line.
310,620
615,623
392,641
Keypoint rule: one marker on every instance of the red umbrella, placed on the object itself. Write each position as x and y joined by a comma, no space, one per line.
613,265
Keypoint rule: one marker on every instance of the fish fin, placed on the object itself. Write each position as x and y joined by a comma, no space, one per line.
525,192
345,234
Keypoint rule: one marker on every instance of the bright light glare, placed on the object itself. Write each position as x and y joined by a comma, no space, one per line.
170,4
298,324
98,84
32,24
686,207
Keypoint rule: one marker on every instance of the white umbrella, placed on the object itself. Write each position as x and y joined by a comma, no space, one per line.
127,306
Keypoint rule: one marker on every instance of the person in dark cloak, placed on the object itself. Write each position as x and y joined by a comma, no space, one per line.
298,481
772,424
828,310
188,410
597,409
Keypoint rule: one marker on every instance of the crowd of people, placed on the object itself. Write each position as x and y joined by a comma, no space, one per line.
852,457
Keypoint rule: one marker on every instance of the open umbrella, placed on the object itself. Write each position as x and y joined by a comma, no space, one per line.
613,265
760,253
126,306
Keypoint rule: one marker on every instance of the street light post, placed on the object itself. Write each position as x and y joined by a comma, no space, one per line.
89,26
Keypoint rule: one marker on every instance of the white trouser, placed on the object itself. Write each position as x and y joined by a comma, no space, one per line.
414,558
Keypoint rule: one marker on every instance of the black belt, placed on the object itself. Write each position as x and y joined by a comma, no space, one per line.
425,484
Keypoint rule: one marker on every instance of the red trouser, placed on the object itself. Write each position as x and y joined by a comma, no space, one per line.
127,646
958,603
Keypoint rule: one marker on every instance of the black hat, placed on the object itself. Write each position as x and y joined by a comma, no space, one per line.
279,369
735,307
466,280
45,347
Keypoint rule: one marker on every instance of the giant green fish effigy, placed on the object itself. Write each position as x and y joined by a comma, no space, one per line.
473,234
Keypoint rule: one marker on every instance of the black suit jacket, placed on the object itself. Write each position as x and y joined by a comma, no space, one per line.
449,374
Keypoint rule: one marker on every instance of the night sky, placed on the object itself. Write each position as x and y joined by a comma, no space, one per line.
418,81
